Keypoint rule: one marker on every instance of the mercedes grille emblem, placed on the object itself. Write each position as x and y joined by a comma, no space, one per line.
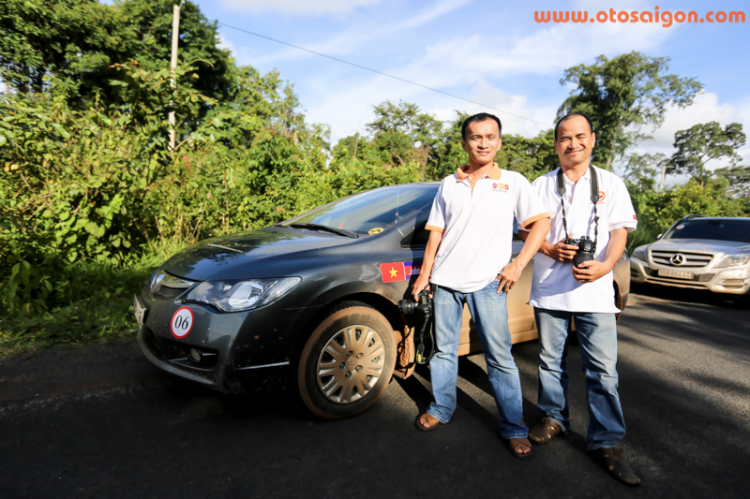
677,260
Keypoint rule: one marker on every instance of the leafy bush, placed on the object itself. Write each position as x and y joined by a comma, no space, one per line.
657,211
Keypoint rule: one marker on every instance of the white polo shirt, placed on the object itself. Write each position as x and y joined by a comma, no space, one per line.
554,287
477,226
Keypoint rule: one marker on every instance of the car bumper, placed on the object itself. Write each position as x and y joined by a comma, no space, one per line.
231,352
731,281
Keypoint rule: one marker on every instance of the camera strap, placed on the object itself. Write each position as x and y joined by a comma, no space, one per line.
419,356
594,199
427,325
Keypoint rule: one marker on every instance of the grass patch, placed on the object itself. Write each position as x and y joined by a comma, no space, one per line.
93,304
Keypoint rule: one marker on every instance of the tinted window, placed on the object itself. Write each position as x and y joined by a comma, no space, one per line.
720,230
371,211
418,237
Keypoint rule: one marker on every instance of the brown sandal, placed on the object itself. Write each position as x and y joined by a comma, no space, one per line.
516,443
433,426
545,431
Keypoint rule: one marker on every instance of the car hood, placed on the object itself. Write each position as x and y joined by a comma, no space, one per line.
699,245
268,252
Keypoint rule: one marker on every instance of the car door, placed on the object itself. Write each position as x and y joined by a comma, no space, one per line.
520,314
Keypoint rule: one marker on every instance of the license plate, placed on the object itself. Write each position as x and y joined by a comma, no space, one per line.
679,274
140,312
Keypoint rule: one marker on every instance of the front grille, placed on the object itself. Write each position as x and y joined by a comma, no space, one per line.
690,260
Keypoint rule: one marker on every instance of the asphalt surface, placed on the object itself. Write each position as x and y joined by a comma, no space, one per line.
101,421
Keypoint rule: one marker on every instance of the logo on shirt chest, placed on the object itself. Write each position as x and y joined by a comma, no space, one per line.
499,187
601,198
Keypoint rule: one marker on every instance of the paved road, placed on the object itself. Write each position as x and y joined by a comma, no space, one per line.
102,422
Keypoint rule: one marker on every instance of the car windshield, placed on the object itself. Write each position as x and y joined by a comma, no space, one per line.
370,212
717,229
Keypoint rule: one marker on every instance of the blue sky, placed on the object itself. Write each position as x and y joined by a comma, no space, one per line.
487,51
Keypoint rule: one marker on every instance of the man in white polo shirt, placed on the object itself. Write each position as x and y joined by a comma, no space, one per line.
468,260
594,204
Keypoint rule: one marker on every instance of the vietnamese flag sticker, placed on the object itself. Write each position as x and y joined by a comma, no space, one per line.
393,272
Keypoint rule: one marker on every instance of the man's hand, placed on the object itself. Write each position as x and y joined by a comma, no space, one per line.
561,252
590,271
422,282
508,276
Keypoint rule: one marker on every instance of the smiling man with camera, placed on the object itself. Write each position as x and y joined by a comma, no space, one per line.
591,216
467,260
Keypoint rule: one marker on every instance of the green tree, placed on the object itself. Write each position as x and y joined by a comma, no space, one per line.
150,23
658,210
621,96
642,169
76,40
739,180
82,43
704,143
404,133
533,157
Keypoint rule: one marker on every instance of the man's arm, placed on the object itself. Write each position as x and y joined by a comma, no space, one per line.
591,270
423,281
532,240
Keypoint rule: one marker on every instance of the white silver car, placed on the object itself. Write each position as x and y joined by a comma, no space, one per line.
698,252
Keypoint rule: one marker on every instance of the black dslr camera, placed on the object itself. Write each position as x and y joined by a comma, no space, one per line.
408,307
423,308
586,249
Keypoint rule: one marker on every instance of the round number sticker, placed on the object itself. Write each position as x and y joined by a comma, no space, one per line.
182,322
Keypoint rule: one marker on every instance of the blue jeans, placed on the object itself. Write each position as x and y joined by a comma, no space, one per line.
597,341
489,311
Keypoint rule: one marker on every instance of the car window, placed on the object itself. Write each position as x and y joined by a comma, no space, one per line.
720,230
373,211
418,237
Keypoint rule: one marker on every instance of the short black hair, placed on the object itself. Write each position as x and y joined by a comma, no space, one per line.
573,115
479,117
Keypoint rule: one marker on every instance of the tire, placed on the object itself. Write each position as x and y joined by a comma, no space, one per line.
347,362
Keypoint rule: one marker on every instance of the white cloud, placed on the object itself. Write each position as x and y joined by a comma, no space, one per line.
705,108
348,108
300,7
467,62
517,116
225,44
359,35
545,51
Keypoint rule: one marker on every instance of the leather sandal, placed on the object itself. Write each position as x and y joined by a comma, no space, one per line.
433,426
514,443
613,460
545,431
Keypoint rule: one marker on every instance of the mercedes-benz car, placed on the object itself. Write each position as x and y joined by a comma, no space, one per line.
311,302
709,253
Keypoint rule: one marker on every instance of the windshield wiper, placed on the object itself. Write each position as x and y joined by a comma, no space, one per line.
340,232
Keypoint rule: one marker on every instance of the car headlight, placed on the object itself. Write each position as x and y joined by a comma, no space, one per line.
236,296
733,260
640,253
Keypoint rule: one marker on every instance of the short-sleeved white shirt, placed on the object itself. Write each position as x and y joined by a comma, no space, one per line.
554,287
477,226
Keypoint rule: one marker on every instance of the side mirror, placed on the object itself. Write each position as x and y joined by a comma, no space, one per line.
659,236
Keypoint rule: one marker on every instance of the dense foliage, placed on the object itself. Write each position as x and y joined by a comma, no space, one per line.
92,199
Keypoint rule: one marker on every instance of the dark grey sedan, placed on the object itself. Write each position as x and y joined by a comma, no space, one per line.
311,302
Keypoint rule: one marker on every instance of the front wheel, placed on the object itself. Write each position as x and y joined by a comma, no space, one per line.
347,362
